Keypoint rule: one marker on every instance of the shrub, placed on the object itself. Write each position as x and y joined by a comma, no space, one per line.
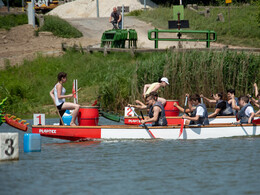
9,21
60,27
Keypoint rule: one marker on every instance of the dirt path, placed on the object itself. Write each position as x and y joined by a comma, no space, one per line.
92,28
21,44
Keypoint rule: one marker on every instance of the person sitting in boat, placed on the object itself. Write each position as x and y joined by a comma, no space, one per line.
254,101
257,94
200,115
156,110
187,110
154,87
58,96
246,113
231,96
221,109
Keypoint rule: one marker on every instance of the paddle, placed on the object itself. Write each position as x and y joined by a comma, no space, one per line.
145,126
76,91
182,125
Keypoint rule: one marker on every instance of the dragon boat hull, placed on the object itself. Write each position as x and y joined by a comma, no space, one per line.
178,120
75,133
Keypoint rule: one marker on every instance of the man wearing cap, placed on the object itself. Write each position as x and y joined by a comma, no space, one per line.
117,18
148,88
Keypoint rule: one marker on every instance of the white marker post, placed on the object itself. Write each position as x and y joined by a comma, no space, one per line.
9,146
75,86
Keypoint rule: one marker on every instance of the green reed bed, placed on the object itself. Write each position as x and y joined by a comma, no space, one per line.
119,78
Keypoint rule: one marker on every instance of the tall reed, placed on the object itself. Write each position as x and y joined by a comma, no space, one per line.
119,78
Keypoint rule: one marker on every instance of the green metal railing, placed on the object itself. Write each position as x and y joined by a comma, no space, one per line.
117,38
208,34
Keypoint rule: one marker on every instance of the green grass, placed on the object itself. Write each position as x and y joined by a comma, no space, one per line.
119,78
244,29
60,27
9,21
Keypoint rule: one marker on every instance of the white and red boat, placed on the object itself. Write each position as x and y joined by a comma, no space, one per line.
75,133
88,129
175,120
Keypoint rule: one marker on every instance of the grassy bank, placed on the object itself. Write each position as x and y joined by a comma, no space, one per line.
9,21
243,30
119,78
60,27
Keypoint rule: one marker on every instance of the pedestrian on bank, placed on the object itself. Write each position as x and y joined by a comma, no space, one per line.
116,18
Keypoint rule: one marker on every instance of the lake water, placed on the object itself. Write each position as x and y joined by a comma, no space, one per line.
212,166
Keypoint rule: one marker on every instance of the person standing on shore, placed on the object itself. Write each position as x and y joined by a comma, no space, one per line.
117,18
154,87
58,95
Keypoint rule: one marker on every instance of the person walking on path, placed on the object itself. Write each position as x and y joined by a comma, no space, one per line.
58,95
117,18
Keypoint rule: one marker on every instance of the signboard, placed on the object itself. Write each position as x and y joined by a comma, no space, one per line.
129,112
228,1
9,146
38,119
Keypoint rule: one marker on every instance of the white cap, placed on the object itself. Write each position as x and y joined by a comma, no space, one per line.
165,80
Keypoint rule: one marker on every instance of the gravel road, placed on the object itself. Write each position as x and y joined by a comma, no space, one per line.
92,29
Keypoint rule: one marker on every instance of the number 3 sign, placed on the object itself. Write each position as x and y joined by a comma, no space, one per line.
38,119
9,146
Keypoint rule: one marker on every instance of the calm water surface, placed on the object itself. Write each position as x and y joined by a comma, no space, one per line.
212,166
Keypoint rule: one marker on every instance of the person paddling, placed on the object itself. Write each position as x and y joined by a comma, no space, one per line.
246,113
231,96
154,87
187,110
221,109
199,115
58,95
156,110
254,101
